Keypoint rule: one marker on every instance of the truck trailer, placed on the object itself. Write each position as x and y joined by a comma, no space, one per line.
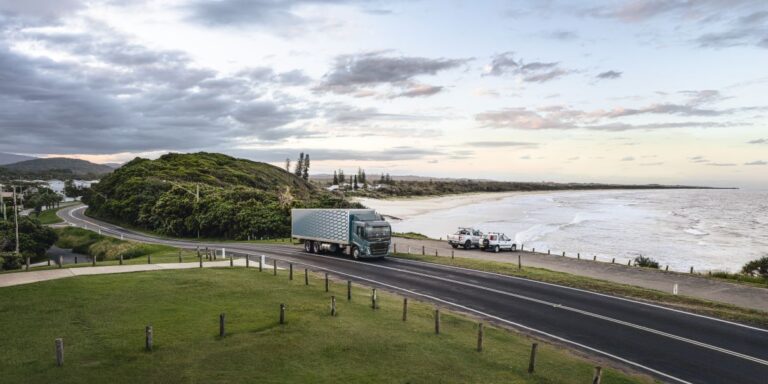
361,233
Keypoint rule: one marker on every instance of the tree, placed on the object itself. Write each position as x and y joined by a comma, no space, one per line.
342,180
34,240
354,185
305,171
299,165
72,190
757,267
335,179
287,164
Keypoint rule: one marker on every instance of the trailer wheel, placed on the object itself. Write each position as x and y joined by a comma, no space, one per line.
315,247
467,244
355,253
307,246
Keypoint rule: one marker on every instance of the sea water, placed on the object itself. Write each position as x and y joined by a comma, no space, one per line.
704,229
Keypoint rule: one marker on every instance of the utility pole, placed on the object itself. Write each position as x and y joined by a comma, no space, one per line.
2,203
16,219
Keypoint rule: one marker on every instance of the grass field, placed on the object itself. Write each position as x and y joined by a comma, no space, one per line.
102,320
49,215
723,311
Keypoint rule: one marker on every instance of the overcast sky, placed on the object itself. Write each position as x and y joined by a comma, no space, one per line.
642,91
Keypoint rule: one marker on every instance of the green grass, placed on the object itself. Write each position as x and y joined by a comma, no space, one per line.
102,320
741,278
705,307
49,215
410,235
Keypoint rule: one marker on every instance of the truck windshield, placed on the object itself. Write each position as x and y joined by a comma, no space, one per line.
377,233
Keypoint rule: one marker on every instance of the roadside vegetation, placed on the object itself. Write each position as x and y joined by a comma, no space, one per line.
104,335
206,195
410,235
105,248
646,262
754,272
719,310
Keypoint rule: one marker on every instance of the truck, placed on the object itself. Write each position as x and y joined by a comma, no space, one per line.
465,237
360,233
496,241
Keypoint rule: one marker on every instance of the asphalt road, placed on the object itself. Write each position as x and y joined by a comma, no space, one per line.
671,345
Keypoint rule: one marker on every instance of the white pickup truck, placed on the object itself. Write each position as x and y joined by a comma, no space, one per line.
496,241
465,237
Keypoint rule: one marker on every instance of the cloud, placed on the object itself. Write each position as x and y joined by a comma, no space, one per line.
562,35
628,158
401,153
526,157
40,8
758,141
536,72
500,144
563,117
722,164
651,164
118,96
608,75
757,162
352,74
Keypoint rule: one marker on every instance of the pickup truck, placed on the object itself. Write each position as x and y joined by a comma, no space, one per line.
465,237
495,241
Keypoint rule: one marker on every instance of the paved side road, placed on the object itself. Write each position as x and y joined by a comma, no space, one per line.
689,285
19,278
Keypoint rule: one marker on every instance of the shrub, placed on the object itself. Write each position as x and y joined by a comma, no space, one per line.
757,267
646,262
9,260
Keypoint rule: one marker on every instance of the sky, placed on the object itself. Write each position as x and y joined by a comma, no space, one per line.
634,91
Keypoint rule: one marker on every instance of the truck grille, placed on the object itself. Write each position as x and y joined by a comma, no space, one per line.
379,248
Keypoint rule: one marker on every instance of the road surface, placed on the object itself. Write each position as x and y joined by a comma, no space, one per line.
671,345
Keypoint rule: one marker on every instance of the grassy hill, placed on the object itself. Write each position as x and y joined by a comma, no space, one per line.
238,199
57,167
10,158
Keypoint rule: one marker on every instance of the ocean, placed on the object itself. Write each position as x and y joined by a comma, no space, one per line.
704,229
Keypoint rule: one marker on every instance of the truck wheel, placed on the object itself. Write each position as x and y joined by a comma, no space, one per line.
307,246
467,244
496,249
315,247
355,253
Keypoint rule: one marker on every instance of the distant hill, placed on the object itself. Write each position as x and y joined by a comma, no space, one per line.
58,166
238,198
10,158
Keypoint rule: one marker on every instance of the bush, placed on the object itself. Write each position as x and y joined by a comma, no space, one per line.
646,262
9,261
757,267
103,248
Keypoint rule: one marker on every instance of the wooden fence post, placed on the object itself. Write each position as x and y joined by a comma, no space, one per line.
629,263
274,267
435,252
333,305
666,269
179,255
437,321
395,248
594,258
533,250
405,308
261,263
613,261
148,339
519,261
75,259
349,290
373,299
121,259
149,259
222,320
49,262
247,261
326,281
290,271
61,261
423,250
532,361
282,313
598,377
480,337
306,276
691,270
59,352
549,251
231,260
563,253
27,263
451,254
578,255
93,261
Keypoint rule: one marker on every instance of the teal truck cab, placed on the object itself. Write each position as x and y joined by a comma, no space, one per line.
361,233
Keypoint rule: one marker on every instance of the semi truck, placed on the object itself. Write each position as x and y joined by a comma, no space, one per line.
360,233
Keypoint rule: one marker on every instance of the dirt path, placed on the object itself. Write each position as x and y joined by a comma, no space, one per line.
688,285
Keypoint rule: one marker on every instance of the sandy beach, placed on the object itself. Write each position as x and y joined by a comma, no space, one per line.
405,207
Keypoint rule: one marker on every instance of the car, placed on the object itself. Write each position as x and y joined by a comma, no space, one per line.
497,241
465,237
